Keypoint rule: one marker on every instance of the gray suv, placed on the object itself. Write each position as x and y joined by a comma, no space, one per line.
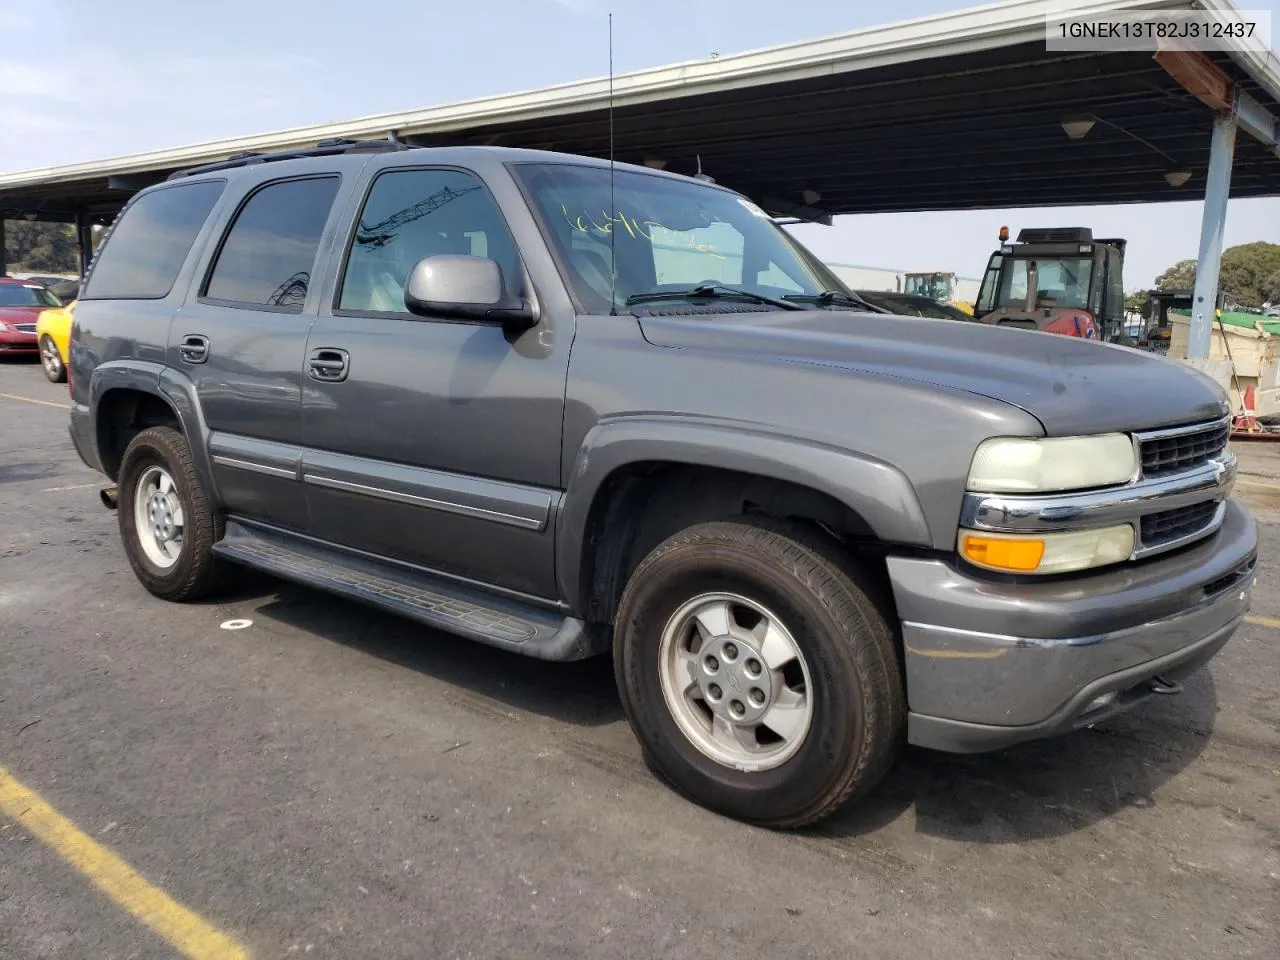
566,410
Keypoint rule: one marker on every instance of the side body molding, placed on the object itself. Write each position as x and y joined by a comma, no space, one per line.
878,492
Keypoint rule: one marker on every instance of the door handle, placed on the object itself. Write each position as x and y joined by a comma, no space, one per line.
194,348
328,364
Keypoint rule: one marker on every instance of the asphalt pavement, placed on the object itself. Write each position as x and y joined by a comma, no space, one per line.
331,782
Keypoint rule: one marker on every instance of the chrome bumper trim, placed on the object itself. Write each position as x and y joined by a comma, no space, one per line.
1010,513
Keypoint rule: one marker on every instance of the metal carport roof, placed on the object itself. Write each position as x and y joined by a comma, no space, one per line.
955,111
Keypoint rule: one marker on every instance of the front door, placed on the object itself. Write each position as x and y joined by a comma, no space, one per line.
433,441
242,338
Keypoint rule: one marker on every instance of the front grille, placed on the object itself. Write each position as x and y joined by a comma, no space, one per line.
25,327
1170,525
1182,451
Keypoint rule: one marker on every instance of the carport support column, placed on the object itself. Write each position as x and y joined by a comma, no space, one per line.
1217,189
84,238
4,258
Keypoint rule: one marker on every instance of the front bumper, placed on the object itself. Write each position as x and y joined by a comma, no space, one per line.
15,343
990,663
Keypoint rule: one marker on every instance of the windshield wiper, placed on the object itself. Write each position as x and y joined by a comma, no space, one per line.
710,291
827,297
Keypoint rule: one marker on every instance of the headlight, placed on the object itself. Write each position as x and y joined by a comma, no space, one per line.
1025,465
1043,553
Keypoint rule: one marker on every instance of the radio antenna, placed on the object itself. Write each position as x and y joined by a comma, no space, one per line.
613,206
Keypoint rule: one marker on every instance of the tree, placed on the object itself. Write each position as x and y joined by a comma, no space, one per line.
1247,268
1271,288
1247,273
1135,302
32,246
1181,276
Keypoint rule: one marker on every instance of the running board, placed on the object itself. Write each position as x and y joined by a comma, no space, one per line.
428,598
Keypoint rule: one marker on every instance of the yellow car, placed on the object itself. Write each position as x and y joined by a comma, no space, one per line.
53,333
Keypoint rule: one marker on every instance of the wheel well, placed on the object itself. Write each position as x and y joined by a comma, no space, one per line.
640,505
122,415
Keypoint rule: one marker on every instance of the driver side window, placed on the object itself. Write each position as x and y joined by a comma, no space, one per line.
411,214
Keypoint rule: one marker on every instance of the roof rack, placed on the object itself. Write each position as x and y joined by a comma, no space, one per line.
325,148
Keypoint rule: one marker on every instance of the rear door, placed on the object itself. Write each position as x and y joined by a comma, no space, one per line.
241,338
429,440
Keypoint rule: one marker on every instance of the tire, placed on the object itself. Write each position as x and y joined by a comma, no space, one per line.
838,624
183,569
55,370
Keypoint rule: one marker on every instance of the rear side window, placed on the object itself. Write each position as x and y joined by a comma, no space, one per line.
147,247
268,254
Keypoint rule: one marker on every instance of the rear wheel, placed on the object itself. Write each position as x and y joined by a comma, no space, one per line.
758,669
166,519
51,360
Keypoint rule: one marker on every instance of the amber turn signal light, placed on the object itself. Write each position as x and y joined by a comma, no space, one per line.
997,553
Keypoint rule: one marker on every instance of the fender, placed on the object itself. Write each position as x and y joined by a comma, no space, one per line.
166,384
877,491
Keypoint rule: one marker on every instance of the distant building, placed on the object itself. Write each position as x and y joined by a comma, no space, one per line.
868,278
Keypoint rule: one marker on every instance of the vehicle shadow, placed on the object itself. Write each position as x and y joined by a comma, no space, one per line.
1046,788
580,693
1037,790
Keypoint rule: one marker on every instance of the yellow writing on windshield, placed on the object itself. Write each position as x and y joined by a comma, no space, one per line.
679,239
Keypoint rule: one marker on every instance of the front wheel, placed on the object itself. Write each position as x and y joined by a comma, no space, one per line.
55,370
758,669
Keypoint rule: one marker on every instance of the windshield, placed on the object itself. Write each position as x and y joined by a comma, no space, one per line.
671,235
932,285
21,295
1060,282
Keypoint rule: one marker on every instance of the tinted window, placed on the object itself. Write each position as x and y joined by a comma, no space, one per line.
411,214
270,250
146,248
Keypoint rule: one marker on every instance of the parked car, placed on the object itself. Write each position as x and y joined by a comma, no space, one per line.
444,383
912,304
53,334
21,303
47,281
65,290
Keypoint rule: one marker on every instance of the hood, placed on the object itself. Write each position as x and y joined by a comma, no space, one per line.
21,314
1070,385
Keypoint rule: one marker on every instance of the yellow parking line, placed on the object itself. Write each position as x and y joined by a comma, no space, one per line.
182,928
1264,622
1250,482
43,403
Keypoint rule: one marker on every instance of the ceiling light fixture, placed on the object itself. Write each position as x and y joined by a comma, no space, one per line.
810,196
1077,127
1176,178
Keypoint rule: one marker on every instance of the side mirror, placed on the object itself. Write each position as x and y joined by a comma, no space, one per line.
464,288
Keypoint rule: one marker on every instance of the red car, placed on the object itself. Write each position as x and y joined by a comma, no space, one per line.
21,302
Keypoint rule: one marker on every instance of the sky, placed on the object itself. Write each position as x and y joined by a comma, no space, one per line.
91,80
